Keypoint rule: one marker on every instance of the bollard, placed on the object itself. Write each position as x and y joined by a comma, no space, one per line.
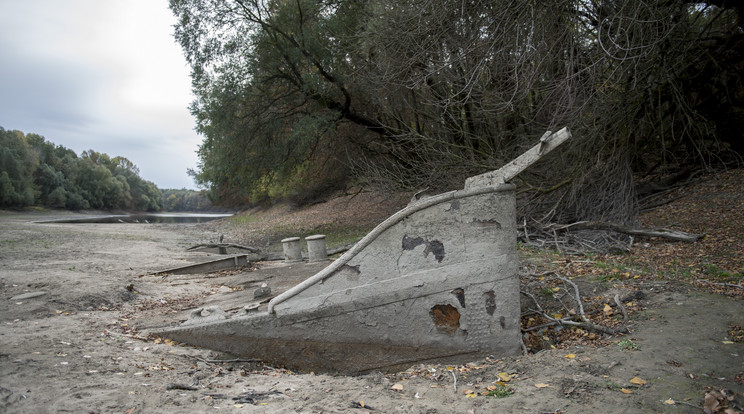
316,248
292,250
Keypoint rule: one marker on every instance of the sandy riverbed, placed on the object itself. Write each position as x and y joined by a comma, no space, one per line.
81,345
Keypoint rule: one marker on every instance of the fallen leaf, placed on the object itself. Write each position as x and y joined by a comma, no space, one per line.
626,391
468,392
727,342
471,395
607,309
638,381
238,405
669,402
397,387
541,385
505,377
569,356
711,403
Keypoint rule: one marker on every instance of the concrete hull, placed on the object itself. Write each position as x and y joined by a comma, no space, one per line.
437,281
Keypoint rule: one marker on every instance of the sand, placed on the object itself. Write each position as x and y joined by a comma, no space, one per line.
77,341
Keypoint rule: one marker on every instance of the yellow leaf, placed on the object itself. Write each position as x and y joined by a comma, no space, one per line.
471,395
727,342
638,381
238,405
557,316
626,391
669,402
607,309
556,289
397,387
541,385
503,376
361,404
569,356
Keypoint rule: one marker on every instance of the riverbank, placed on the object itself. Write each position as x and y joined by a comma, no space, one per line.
81,345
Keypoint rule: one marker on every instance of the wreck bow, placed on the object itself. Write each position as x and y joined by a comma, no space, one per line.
437,280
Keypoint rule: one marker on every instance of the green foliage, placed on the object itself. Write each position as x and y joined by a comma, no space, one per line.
499,391
627,344
36,172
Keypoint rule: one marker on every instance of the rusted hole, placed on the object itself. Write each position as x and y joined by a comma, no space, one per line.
446,318
490,302
460,295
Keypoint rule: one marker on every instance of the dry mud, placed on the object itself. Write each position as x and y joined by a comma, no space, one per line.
82,346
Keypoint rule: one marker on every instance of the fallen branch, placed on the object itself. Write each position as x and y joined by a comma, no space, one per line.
675,235
224,245
731,285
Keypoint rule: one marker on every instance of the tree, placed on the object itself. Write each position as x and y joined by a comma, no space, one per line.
421,93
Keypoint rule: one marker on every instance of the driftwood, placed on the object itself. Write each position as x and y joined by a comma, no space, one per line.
224,245
675,235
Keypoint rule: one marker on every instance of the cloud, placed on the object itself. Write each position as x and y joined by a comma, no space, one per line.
102,75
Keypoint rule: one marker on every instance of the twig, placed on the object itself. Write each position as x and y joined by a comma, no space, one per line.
688,404
454,384
578,298
524,347
622,308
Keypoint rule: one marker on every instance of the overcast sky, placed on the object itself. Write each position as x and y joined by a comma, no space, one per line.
105,75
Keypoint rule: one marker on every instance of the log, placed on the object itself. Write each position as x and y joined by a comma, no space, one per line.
676,235
225,245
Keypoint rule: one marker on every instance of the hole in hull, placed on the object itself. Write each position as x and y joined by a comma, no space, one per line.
446,318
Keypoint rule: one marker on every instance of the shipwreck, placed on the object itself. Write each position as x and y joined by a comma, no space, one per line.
436,281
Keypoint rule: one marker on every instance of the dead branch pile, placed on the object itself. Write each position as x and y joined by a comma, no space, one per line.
593,236
551,302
